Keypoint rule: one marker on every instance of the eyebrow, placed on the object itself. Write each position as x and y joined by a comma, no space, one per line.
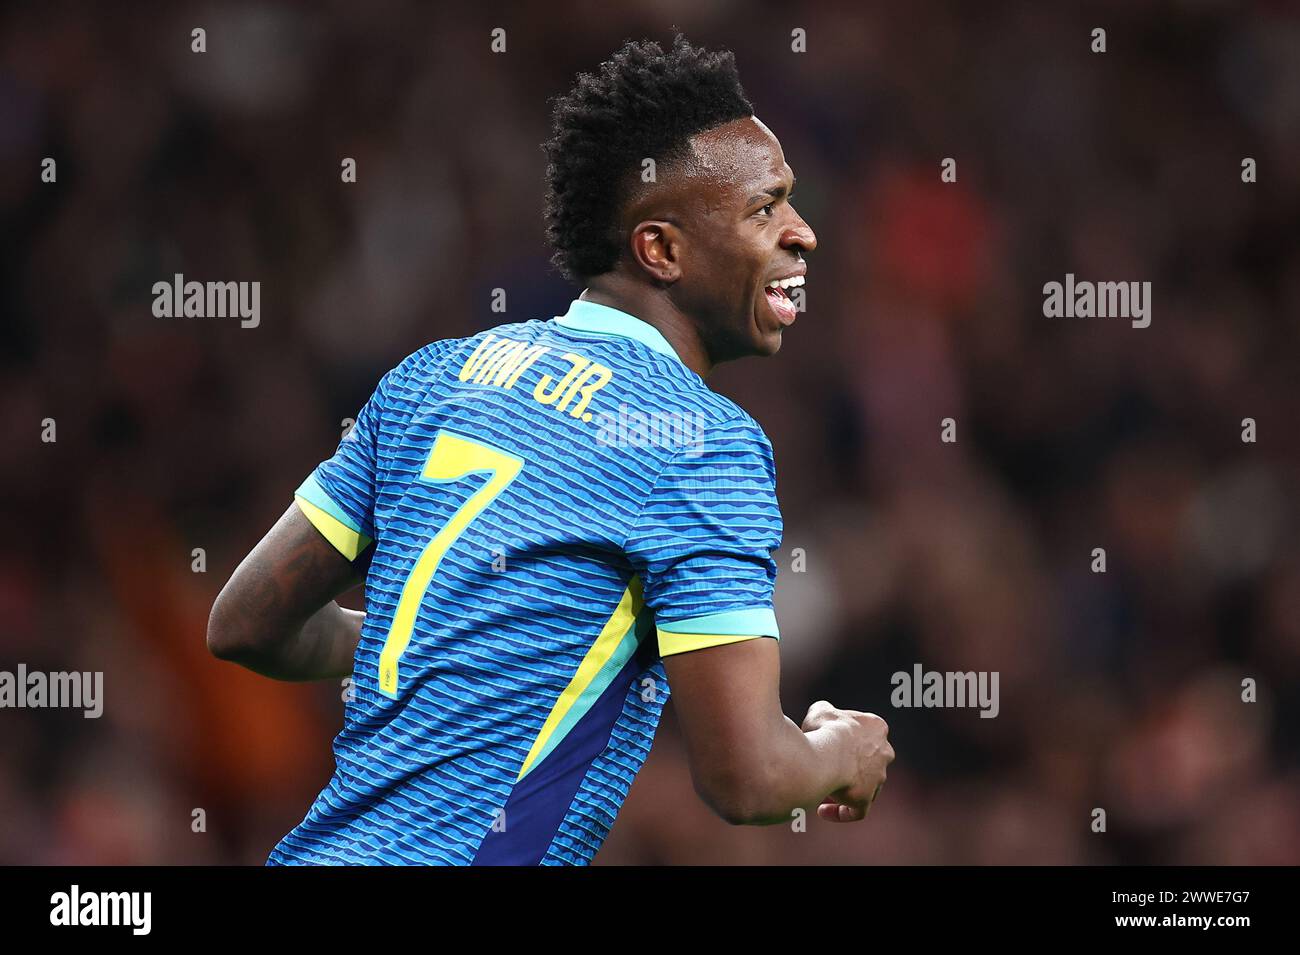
776,192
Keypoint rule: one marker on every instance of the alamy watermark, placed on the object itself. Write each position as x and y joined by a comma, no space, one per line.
181,299
642,429
36,689
130,909
1073,299
946,689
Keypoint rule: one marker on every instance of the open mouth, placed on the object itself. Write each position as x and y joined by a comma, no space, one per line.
778,299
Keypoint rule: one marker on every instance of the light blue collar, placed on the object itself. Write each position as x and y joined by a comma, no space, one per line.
586,316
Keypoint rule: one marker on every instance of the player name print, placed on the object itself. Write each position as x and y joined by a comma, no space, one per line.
500,362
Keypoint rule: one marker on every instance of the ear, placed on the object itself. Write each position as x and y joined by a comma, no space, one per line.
657,248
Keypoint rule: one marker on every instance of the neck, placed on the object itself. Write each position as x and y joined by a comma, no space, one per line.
653,307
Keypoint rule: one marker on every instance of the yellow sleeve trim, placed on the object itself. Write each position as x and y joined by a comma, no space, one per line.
346,541
670,643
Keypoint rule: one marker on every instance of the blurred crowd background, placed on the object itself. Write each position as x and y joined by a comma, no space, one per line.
1120,691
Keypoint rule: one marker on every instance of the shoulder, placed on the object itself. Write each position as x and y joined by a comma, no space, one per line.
736,425
431,358
438,352
720,413
728,446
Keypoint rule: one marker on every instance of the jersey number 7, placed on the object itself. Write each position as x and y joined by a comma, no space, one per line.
452,458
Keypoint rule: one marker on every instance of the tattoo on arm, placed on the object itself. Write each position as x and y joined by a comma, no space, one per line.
281,599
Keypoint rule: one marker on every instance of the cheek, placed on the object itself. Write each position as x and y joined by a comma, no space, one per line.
736,266
746,266
733,274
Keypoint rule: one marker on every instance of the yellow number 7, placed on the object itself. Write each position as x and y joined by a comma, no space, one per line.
451,458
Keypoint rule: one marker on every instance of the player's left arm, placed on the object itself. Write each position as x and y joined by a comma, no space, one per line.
277,615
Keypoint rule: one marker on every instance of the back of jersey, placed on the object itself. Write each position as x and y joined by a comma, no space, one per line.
554,506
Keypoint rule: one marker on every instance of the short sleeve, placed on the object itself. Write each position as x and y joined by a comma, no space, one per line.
703,541
339,496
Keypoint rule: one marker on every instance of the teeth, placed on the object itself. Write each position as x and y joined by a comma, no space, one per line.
786,283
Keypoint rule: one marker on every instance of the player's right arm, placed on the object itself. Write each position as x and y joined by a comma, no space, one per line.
749,762
277,615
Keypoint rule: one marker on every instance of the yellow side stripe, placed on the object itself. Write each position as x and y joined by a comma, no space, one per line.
611,635
346,541
670,643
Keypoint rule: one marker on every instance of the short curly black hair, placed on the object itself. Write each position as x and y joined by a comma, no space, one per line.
643,103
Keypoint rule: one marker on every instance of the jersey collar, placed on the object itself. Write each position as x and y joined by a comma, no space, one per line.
586,316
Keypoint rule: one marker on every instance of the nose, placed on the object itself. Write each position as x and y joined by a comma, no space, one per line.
799,235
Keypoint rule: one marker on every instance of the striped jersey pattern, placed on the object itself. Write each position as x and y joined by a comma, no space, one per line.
554,506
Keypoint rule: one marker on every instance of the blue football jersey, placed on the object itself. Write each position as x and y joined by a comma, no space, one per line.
554,506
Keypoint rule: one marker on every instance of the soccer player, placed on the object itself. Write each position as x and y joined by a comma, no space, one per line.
558,520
